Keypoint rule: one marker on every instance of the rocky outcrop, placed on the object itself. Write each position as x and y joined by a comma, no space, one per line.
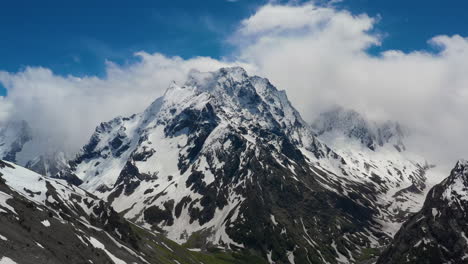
437,233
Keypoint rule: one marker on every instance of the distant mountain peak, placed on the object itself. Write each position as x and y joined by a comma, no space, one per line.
456,185
352,124
13,136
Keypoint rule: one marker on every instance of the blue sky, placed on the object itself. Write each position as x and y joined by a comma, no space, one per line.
77,38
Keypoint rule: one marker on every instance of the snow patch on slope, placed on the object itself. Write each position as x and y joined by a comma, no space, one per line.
99,245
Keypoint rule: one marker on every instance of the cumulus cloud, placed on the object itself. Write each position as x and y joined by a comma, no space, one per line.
63,111
318,54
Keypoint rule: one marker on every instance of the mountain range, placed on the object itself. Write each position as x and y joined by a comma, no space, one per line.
224,169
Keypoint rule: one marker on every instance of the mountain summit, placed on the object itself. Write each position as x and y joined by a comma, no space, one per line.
212,161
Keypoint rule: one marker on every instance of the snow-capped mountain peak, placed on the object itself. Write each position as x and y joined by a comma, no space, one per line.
461,168
353,125
456,185
226,99
13,136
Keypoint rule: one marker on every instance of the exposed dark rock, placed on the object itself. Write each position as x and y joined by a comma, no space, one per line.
436,234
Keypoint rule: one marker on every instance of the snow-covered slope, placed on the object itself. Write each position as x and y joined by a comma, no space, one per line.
44,220
56,221
225,160
213,105
437,233
375,154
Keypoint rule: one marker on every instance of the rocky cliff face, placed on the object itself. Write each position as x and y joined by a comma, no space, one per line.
437,233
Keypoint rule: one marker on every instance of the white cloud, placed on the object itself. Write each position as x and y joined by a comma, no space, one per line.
5,109
273,23
318,54
276,18
65,110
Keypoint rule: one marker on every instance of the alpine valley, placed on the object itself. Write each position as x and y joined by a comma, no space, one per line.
223,169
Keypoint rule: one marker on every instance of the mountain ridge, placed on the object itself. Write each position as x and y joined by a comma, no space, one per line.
196,161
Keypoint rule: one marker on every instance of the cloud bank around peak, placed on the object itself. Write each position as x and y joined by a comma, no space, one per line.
318,54
63,111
